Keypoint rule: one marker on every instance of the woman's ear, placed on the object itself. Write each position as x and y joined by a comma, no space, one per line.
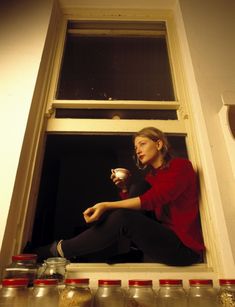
159,144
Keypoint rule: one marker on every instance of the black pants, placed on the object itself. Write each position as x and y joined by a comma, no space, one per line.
157,242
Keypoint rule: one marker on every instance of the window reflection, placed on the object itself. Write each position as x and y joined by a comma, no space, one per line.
115,68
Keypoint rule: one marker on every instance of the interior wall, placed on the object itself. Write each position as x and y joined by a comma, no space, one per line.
209,27
23,29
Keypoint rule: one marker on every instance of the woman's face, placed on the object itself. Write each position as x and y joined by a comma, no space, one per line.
148,151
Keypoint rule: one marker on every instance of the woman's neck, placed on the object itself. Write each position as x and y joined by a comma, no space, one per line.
158,163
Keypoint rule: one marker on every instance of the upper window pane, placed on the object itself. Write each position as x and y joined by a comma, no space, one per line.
115,67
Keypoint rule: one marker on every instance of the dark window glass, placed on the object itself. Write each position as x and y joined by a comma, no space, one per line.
76,174
115,68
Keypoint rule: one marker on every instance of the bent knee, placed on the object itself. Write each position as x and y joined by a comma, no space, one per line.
123,215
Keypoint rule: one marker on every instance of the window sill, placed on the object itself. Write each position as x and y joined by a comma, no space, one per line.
127,271
135,267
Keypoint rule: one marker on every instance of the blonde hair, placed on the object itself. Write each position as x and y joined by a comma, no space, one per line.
155,134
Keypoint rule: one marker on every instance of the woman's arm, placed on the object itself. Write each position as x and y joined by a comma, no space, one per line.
93,214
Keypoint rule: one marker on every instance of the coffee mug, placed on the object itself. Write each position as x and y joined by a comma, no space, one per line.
121,173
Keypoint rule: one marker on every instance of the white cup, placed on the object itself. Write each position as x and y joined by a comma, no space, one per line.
121,173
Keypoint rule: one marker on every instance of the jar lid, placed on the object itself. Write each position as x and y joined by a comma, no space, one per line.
109,282
56,260
15,282
170,282
140,282
200,282
227,282
47,282
24,257
77,281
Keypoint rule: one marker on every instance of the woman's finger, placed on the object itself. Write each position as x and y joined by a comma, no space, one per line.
88,211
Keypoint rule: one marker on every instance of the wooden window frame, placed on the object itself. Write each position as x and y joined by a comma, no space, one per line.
183,126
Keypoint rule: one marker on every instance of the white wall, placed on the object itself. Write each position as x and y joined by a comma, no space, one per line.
210,28
23,29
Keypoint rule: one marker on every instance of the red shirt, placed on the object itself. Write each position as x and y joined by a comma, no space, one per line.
173,197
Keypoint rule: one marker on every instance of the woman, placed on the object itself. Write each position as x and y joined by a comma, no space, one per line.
172,237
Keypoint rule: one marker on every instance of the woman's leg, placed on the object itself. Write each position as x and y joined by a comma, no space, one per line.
156,241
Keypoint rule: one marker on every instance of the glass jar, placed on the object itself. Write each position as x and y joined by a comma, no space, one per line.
22,266
45,293
53,268
109,293
227,292
14,292
76,293
171,293
202,293
141,294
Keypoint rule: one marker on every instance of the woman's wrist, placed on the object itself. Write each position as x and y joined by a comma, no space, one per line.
107,205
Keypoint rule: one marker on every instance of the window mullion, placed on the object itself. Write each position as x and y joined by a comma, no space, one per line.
111,104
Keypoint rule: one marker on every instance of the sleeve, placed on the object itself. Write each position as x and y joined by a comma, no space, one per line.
136,189
168,186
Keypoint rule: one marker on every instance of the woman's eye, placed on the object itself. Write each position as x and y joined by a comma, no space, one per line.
139,146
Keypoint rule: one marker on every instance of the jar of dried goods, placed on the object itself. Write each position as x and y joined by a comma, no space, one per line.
109,293
22,266
76,293
14,292
202,293
45,293
140,294
53,268
227,292
171,293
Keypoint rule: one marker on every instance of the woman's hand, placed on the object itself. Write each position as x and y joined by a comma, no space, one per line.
120,183
93,214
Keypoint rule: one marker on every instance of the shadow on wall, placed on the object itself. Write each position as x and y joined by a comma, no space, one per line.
231,120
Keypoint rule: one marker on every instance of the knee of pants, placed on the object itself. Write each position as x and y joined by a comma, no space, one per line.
122,216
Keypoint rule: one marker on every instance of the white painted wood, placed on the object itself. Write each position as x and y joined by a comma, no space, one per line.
112,125
115,104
